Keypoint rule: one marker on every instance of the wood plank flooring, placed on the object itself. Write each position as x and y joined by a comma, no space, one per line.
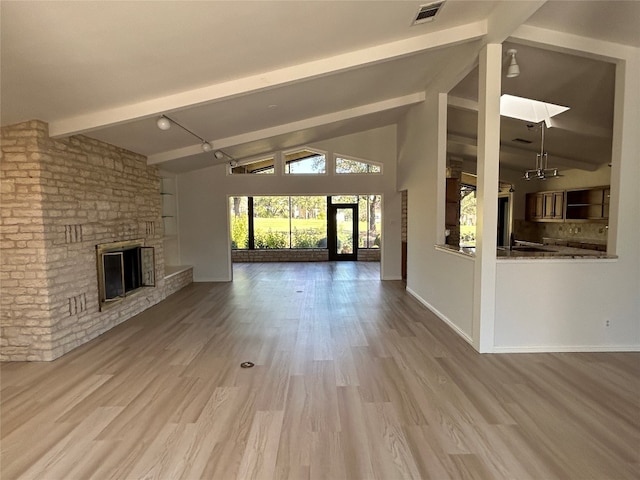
353,379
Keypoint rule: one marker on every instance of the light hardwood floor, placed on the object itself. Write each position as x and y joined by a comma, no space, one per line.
353,379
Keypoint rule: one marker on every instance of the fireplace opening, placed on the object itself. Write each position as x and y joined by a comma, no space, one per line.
124,268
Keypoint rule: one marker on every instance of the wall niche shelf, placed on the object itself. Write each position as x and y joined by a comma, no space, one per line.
169,197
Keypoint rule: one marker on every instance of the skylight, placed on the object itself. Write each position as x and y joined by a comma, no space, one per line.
529,110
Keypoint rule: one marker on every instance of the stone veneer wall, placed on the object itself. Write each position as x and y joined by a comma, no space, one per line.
177,281
59,199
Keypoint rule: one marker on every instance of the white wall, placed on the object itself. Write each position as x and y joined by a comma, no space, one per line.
541,305
442,281
203,206
563,305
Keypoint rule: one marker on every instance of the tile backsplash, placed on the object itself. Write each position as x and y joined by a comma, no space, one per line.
535,231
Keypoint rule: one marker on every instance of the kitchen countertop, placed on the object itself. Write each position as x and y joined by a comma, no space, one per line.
529,250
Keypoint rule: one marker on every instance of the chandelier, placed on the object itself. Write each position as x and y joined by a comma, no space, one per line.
541,170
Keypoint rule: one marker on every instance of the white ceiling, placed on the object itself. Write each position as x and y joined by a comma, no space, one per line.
251,77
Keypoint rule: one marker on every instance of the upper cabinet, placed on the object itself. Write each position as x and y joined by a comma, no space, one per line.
587,204
545,206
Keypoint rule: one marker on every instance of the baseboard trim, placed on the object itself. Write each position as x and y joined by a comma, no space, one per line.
567,349
442,317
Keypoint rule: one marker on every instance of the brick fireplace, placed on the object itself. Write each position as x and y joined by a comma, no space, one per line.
60,198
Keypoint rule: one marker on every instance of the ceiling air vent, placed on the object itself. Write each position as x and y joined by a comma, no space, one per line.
427,13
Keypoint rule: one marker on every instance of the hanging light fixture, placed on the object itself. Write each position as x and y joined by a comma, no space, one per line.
514,69
164,123
542,170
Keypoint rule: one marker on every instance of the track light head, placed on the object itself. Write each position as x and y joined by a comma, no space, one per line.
218,154
206,147
163,123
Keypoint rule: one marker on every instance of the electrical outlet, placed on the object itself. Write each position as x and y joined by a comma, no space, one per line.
607,323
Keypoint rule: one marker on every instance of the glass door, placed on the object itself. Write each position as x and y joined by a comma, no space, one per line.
342,238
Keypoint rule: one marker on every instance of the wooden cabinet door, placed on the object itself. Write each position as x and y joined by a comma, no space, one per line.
539,208
558,205
534,206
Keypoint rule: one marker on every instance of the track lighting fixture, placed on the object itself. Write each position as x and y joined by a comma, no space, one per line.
219,154
513,70
164,123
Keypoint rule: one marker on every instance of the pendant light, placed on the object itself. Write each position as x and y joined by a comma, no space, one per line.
513,70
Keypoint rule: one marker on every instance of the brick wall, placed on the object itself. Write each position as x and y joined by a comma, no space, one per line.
298,255
368,254
59,199
281,255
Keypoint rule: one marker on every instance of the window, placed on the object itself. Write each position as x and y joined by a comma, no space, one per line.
305,162
351,166
271,222
239,222
467,215
260,166
308,222
278,222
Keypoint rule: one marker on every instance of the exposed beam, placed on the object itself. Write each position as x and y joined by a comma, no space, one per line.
506,17
268,80
312,122
557,41
471,144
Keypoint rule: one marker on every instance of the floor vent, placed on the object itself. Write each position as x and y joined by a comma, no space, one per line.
426,13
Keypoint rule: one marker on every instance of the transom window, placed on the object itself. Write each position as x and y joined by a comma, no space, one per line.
260,166
305,162
353,166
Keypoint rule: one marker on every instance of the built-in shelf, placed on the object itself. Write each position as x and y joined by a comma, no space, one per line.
169,196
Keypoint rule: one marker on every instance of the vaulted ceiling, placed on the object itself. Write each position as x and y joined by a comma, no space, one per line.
253,77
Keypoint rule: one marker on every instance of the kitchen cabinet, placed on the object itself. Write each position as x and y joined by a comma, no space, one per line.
545,206
553,206
585,204
588,204
535,206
